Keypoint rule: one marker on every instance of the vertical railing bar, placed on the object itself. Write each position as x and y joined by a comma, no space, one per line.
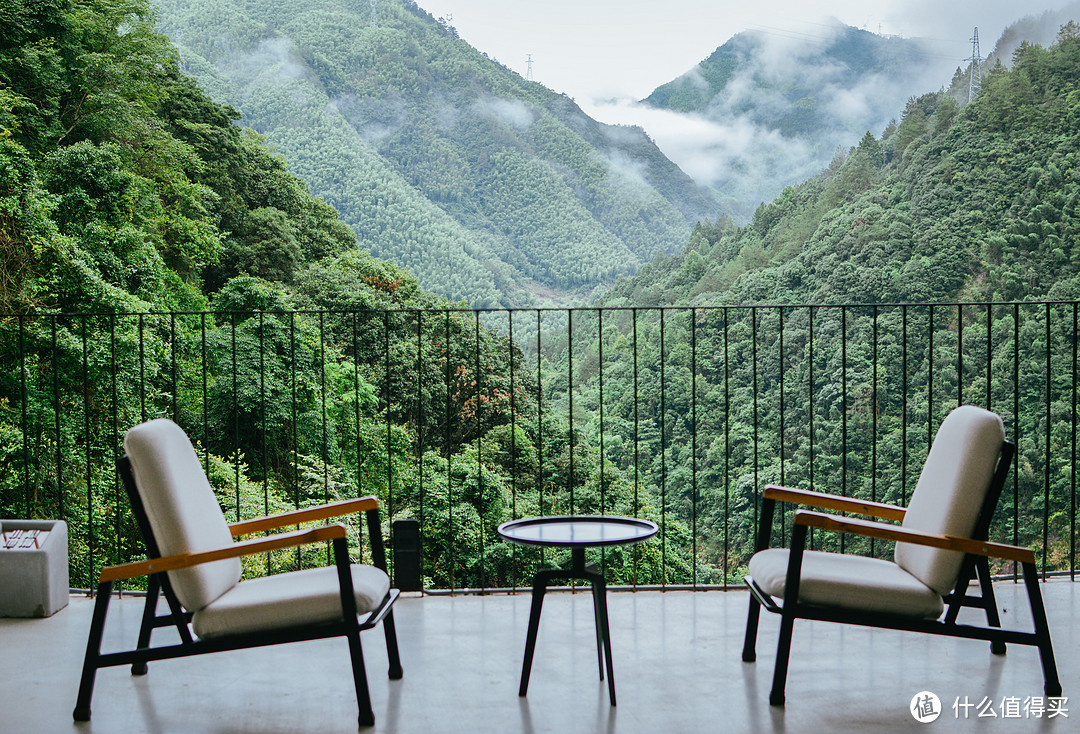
479,453
116,440
1016,421
783,479
1046,462
262,428
959,354
843,412
56,417
142,372
539,423
419,413
356,399
389,447
295,427
637,400
930,384
693,443
874,424
1072,473
325,438
236,421
24,398
205,397
600,372
754,371
810,346
25,428
903,404
727,451
175,383
89,476
989,356
570,396
513,436
663,462
449,474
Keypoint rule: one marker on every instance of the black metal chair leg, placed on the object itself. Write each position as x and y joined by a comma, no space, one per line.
1052,685
363,696
790,611
390,632
93,652
783,653
148,618
539,587
982,571
749,650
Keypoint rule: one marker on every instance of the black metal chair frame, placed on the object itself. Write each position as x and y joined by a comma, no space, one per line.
975,565
351,625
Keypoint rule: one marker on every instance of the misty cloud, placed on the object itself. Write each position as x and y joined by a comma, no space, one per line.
740,158
628,175
513,112
791,103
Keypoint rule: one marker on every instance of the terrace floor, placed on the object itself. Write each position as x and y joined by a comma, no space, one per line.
677,669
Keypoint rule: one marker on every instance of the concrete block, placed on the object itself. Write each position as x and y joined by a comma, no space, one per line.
33,579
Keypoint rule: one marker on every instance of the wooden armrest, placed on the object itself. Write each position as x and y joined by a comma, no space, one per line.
236,550
833,502
870,529
310,514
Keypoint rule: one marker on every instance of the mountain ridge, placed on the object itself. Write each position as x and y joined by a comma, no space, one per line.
516,191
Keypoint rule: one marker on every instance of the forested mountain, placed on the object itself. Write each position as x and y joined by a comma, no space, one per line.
488,187
954,202
797,98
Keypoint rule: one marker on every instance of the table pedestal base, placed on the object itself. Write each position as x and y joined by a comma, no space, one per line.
580,571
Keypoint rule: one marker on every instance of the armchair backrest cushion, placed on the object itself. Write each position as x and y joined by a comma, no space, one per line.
181,509
951,491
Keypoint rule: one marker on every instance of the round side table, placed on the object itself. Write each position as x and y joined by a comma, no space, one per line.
576,532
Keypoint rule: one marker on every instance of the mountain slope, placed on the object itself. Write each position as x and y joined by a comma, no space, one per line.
977,203
795,99
488,187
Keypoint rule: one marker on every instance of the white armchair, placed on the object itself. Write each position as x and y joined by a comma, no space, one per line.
941,545
195,564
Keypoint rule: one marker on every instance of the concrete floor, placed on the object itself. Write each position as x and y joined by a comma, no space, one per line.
677,669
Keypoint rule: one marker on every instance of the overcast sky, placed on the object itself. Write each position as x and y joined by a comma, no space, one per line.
595,49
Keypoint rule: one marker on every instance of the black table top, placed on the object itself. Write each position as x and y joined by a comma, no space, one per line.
578,530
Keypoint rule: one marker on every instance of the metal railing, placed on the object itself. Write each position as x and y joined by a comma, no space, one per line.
464,419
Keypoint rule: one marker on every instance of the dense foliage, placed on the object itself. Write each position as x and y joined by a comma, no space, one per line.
158,260
488,187
973,204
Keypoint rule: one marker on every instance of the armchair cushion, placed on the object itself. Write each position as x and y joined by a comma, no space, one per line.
950,494
183,512
310,596
851,582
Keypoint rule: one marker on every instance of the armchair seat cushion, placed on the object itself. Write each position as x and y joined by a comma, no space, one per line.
311,596
850,582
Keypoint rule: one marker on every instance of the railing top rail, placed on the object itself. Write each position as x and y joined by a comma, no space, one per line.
539,309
